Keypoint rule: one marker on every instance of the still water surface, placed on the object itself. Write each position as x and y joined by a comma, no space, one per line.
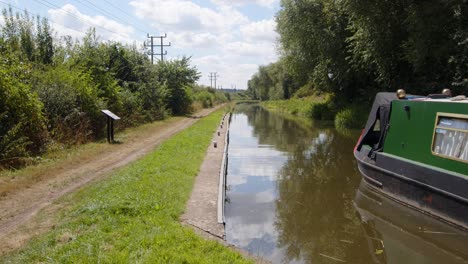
295,196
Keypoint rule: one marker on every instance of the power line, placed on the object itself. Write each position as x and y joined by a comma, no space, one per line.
21,9
91,5
118,8
51,5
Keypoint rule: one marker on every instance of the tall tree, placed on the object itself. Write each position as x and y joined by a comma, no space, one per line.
44,40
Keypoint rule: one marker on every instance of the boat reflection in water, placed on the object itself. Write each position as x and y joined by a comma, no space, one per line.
398,234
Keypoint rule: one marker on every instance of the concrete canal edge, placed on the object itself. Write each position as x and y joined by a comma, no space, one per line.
205,208
204,211
223,171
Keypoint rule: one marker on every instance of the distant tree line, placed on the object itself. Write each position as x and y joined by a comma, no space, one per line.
52,89
354,48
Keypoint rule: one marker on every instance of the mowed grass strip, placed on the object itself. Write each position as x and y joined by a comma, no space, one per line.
132,216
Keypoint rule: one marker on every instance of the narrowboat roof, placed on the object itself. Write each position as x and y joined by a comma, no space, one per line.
381,111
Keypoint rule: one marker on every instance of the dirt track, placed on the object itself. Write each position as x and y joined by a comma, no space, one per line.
18,208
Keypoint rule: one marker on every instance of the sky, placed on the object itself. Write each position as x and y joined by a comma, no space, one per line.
229,37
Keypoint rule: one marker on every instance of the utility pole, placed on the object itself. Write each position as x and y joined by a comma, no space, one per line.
213,76
151,45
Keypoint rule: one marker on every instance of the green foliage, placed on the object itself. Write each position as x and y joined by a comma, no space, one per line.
44,42
93,56
355,48
71,103
321,111
353,117
133,216
271,82
22,125
206,98
26,41
178,77
77,79
294,106
313,40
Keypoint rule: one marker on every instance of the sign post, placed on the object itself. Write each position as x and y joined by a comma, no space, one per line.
110,124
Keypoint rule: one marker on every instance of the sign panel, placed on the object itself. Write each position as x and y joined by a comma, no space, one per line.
110,114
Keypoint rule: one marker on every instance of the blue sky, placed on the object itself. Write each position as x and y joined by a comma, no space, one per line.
230,37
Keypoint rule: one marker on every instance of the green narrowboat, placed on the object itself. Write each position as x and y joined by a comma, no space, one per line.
414,149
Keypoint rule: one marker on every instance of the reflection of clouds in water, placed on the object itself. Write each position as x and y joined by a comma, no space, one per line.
253,225
245,163
239,126
320,140
252,220
268,196
257,151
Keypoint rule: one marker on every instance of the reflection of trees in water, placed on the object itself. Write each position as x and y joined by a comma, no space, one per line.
315,214
273,129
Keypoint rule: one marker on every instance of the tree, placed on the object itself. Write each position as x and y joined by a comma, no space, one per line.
44,40
178,76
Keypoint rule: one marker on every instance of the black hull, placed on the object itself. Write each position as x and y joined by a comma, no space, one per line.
438,193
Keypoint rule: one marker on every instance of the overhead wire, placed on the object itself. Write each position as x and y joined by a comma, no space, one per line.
93,6
51,5
120,9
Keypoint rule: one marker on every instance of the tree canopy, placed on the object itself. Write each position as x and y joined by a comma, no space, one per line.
354,48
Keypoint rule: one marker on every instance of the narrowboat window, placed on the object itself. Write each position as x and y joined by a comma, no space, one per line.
377,125
451,137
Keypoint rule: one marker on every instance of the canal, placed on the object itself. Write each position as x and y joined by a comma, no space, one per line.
294,195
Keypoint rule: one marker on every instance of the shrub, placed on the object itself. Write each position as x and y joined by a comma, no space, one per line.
205,98
321,111
353,117
71,103
22,124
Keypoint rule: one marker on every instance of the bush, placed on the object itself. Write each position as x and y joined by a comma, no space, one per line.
205,98
71,103
22,124
321,111
353,117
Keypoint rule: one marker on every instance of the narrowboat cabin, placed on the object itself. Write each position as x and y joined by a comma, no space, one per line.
414,149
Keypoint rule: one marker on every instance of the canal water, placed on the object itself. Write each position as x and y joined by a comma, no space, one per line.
294,195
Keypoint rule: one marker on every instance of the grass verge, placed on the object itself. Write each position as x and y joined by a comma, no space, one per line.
294,106
132,216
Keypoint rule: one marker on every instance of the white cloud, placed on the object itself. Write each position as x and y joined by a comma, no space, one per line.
196,40
68,20
232,70
265,3
247,49
180,15
263,30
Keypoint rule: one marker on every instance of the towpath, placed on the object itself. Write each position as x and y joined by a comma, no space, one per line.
19,206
